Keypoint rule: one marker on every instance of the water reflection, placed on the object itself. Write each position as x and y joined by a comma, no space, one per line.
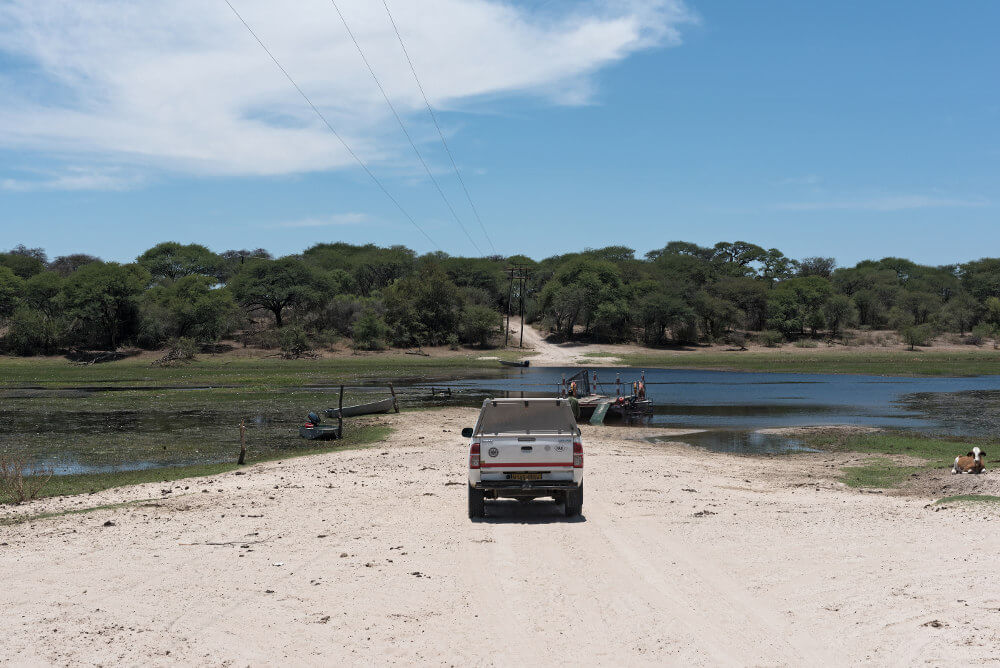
739,442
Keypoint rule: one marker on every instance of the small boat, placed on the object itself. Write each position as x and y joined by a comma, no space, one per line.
371,408
319,432
315,431
519,363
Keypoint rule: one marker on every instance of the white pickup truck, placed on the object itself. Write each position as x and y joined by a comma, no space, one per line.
524,449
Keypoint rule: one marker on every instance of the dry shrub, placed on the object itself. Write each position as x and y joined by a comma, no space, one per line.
881,339
19,482
179,351
769,338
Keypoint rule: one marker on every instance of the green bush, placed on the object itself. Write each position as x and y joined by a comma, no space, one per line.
479,325
984,331
370,331
32,332
769,338
294,341
326,338
918,335
806,343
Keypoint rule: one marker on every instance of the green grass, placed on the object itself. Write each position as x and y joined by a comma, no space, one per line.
926,362
359,437
877,474
938,452
21,519
222,370
979,498
883,472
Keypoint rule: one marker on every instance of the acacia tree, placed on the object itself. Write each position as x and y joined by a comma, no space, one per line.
11,289
798,303
423,308
578,287
22,264
64,265
658,312
839,311
192,308
172,260
961,312
817,266
274,285
103,298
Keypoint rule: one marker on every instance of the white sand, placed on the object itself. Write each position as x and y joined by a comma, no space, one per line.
682,558
564,354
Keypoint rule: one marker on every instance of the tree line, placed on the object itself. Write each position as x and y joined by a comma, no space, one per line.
390,296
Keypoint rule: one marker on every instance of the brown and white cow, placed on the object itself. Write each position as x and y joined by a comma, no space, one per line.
971,463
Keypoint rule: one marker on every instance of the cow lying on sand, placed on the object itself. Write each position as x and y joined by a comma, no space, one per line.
971,463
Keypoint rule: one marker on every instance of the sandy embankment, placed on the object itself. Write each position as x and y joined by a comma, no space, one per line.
367,556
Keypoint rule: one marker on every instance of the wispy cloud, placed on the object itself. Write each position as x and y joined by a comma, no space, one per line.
886,203
74,178
333,220
182,86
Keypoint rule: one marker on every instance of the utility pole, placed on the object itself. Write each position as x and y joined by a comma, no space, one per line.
520,275
524,279
510,294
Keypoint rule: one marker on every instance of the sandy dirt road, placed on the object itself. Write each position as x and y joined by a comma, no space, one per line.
562,354
367,557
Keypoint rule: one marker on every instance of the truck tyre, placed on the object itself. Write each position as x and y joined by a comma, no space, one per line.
574,501
477,503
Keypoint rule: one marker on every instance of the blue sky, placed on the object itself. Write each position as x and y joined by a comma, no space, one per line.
850,129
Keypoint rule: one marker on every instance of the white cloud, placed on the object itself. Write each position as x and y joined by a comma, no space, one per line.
887,203
74,177
182,86
333,220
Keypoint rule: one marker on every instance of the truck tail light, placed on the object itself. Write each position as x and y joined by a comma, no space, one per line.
577,455
474,456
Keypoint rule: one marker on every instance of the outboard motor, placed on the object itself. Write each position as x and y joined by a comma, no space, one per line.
314,418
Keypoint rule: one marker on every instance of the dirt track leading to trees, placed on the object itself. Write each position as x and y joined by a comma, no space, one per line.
565,354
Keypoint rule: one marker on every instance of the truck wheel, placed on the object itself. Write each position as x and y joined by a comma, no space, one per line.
574,501
477,503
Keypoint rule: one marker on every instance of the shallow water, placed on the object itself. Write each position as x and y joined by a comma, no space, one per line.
738,441
748,401
90,429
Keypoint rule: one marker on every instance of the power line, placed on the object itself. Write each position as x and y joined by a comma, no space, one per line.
403,127
330,127
430,110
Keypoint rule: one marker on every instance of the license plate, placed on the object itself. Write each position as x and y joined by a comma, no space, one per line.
524,476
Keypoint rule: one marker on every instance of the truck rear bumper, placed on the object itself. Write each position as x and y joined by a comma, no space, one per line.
541,487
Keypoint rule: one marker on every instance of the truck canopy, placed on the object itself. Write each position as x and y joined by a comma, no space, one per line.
526,416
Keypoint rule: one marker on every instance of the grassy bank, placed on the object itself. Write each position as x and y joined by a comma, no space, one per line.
878,473
232,370
358,437
921,362
969,498
886,471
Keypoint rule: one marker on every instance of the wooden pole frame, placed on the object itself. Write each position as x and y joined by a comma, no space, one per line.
395,402
340,413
